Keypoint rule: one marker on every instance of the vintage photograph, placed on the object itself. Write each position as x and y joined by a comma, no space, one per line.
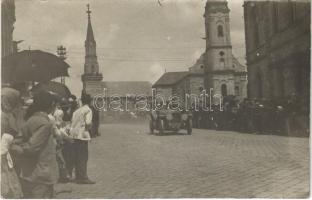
135,99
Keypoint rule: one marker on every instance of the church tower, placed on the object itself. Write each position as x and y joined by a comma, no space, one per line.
219,70
92,78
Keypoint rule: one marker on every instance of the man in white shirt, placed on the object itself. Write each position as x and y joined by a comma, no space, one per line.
80,126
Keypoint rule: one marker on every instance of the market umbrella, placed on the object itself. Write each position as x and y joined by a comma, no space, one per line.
32,65
55,87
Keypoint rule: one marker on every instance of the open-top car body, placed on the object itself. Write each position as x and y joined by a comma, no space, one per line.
169,120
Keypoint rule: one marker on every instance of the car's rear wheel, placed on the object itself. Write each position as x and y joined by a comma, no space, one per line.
189,126
151,126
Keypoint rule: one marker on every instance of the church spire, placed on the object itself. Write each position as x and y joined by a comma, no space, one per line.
91,66
90,36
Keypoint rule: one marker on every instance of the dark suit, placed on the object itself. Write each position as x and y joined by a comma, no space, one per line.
39,169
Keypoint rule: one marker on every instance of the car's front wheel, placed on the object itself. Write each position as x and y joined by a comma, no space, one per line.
151,126
189,126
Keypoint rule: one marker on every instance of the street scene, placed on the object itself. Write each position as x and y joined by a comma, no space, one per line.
155,99
126,162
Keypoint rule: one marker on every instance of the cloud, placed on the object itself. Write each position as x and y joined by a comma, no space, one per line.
189,8
73,38
196,55
111,35
156,71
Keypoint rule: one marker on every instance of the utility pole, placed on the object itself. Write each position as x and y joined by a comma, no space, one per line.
61,52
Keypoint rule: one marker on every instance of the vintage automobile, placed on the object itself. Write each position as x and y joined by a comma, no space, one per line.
169,120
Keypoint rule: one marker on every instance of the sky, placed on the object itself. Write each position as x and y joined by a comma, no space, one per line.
137,40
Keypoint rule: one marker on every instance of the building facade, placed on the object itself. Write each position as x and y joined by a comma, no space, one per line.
179,84
92,78
278,48
223,73
7,26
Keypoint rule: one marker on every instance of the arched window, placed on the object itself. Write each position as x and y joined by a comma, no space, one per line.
275,17
223,90
236,91
255,26
220,31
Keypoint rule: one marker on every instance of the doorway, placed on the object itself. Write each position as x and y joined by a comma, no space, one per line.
224,90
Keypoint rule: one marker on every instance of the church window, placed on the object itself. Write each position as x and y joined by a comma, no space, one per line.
275,17
202,66
92,68
220,31
292,10
223,90
222,62
221,53
236,91
233,66
286,15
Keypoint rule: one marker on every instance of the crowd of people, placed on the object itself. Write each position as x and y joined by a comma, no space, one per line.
285,117
44,140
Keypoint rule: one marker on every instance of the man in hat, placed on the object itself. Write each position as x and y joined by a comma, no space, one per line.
81,124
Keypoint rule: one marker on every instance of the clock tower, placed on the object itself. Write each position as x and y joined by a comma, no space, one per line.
220,73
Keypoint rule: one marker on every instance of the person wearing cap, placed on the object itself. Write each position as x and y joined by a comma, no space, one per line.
80,131
37,149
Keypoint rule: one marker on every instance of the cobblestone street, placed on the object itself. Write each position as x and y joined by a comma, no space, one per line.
127,162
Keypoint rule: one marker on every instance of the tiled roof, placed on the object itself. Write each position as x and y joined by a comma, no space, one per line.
198,67
122,88
170,78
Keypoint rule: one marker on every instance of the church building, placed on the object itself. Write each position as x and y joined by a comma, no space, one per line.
217,69
223,72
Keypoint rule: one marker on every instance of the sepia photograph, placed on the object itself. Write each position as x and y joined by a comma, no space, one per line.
155,99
